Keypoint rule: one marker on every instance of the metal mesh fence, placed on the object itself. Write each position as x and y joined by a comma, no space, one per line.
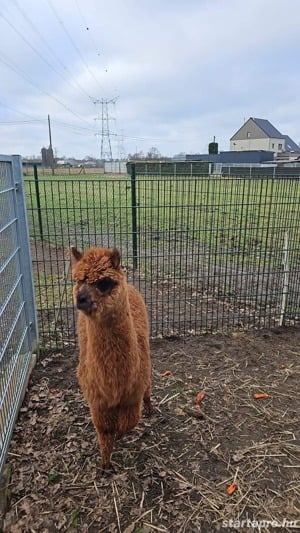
18,333
207,253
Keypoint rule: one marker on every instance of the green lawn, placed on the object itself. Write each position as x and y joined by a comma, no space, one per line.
212,215
211,242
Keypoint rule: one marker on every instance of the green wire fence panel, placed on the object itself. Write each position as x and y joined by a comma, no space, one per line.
208,253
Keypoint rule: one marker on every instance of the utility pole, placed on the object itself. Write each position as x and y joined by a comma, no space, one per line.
50,145
106,151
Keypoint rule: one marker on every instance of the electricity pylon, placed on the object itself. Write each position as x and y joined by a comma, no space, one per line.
106,151
121,147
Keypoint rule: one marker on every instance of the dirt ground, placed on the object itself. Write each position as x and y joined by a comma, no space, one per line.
173,471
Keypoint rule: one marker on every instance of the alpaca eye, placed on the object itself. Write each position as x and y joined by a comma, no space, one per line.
104,285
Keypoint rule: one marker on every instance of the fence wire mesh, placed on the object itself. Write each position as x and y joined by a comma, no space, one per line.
207,253
18,333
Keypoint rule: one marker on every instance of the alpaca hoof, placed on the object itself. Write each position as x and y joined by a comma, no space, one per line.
107,470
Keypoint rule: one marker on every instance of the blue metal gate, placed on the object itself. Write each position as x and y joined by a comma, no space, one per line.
18,324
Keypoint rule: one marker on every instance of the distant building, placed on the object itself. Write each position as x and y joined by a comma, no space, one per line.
47,157
247,157
285,158
65,163
260,134
179,157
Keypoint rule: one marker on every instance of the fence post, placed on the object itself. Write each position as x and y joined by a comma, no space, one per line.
134,216
38,201
285,290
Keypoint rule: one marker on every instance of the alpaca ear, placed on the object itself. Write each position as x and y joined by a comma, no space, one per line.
75,255
115,258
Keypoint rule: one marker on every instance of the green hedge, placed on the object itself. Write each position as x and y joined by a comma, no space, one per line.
169,168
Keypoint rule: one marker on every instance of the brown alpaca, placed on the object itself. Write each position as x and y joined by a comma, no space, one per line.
114,370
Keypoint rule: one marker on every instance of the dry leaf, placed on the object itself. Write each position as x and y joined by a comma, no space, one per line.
260,395
130,529
166,373
200,396
231,489
180,412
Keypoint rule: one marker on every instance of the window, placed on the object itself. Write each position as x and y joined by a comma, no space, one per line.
249,134
273,145
279,146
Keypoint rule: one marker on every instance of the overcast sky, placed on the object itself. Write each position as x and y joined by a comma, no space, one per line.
182,72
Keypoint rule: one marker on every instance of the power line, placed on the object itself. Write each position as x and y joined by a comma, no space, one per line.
27,78
50,49
16,111
77,130
63,124
16,122
121,147
74,126
87,28
143,138
20,34
89,31
73,43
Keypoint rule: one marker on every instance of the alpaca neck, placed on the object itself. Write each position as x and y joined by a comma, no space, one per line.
114,325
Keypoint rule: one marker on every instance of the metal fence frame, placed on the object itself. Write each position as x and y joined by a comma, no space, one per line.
208,253
18,319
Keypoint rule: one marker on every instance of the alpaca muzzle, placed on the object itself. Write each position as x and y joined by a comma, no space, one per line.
84,302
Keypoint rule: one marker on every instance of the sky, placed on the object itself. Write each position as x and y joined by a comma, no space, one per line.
176,73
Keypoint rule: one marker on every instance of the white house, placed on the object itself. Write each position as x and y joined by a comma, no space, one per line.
260,134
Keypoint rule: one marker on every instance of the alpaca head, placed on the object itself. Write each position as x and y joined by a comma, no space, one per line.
99,280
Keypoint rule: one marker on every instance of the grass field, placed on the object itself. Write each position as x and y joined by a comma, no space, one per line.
207,248
225,216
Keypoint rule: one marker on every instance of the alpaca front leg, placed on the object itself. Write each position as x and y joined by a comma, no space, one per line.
147,403
106,445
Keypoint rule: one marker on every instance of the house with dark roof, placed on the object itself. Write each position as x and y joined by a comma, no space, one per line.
260,134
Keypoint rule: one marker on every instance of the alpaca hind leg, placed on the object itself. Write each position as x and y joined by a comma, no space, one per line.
147,402
106,444
128,418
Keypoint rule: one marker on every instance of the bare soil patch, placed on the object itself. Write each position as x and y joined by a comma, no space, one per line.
172,472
